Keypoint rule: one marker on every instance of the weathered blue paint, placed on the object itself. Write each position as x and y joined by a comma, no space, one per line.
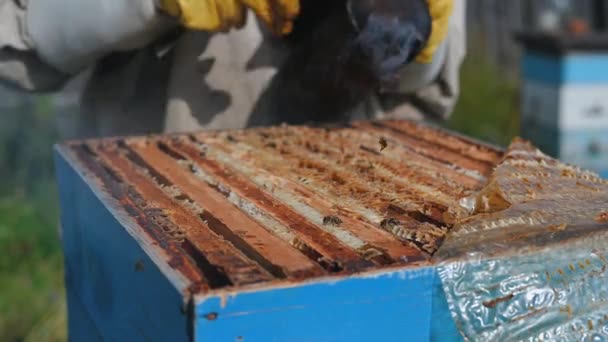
394,306
572,68
442,327
102,282
546,138
82,326
542,68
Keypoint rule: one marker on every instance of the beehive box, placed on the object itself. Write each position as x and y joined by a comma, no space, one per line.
564,104
303,234
286,233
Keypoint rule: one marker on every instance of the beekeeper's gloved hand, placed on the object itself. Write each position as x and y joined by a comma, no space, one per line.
221,15
440,11
434,55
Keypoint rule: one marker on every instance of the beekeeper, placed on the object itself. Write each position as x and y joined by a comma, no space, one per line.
183,65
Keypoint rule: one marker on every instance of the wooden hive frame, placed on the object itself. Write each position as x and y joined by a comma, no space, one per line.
228,235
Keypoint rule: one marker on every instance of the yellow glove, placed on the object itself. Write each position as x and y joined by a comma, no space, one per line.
221,15
441,11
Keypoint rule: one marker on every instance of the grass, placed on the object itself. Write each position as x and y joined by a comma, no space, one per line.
31,277
32,299
488,108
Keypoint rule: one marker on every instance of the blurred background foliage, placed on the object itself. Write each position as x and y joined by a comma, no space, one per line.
32,301
488,108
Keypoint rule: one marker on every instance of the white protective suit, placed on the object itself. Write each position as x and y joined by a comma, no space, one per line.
151,76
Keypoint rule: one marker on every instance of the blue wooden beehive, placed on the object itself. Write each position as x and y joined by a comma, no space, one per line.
303,234
280,234
564,97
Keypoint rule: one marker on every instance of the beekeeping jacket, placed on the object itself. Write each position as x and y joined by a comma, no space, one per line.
149,75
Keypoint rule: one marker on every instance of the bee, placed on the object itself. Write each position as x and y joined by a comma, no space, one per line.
383,143
389,223
332,220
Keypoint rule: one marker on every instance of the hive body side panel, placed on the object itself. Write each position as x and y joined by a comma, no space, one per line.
443,328
540,108
393,306
109,277
585,68
574,68
82,326
541,68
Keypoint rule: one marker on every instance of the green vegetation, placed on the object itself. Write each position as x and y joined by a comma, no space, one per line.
31,280
488,108
32,299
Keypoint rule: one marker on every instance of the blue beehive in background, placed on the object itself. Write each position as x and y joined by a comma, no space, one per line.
564,108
